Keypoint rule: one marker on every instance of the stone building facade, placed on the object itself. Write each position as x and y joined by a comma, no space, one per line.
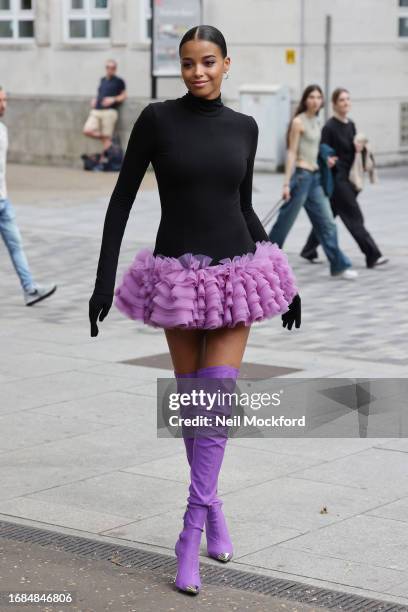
52,54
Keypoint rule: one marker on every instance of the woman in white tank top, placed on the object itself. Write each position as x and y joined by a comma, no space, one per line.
302,185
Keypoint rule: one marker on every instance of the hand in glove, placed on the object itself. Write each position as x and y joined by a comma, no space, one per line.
99,306
293,315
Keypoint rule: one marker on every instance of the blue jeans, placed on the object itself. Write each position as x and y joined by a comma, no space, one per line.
12,239
306,190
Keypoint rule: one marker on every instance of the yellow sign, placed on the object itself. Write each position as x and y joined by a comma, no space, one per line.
290,56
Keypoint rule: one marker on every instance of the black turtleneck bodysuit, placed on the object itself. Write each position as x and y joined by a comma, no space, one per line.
203,155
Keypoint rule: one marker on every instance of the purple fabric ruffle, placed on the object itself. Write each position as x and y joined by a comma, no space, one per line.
187,292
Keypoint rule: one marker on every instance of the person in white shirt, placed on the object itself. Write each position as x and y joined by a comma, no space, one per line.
33,292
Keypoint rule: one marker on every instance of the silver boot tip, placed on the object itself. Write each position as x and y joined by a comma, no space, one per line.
190,589
224,557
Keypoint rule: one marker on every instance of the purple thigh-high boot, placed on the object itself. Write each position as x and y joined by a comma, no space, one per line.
188,545
188,439
181,387
219,545
206,459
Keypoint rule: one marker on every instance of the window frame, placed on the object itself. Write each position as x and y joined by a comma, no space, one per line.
88,14
402,14
16,14
145,15
403,125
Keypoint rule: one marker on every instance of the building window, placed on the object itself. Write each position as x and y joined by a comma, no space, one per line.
146,20
403,19
404,124
87,20
403,27
16,20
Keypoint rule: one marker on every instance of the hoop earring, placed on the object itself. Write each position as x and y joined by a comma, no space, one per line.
226,74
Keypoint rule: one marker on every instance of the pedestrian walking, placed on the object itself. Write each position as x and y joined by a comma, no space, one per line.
303,188
340,133
213,271
32,291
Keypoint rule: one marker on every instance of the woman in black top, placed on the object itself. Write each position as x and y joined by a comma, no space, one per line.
213,271
339,133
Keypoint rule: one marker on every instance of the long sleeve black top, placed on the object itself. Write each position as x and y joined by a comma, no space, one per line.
340,136
203,155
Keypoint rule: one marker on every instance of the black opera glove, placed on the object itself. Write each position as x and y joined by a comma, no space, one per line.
294,314
99,306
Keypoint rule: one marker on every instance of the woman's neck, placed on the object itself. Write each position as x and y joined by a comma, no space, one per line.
204,106
310,114
341,117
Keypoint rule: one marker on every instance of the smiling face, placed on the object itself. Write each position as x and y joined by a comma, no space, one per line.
203,67
343,103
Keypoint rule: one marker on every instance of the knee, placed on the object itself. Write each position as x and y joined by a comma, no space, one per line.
14,244
328,228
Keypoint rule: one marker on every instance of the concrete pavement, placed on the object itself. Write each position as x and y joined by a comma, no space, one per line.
97,586
78,448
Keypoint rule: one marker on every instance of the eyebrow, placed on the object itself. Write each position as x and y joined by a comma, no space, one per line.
204,56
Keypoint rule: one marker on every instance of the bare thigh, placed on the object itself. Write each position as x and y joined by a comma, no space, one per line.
193,349
186,347
225,346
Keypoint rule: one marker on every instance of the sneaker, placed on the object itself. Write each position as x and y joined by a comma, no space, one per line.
347,274
40,292
378,262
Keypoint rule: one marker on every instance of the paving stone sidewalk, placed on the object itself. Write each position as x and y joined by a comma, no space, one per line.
78,445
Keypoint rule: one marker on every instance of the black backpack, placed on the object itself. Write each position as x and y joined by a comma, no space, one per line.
92,162
110,161
114,158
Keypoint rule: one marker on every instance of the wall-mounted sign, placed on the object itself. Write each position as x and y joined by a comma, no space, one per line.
171,19
290,56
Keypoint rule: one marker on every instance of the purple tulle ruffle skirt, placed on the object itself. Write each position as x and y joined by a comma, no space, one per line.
187,292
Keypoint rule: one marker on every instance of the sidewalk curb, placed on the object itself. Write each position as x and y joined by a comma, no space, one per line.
132,557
